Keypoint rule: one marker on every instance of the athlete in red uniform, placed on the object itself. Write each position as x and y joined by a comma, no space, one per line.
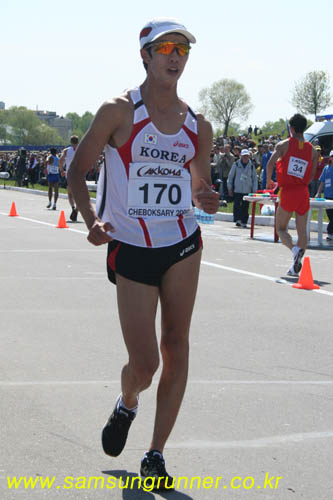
129,219
296,164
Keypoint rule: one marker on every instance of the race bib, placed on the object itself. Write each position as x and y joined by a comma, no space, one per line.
328,183
297,167
53,169
158,190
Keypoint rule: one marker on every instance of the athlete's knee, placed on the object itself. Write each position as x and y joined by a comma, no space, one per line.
281,228
144,370
174,346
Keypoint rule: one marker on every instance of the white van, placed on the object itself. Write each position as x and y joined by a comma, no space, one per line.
321,133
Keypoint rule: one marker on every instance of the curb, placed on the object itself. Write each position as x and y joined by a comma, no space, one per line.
39,192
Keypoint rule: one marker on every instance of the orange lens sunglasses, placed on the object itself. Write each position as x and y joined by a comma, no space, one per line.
168,47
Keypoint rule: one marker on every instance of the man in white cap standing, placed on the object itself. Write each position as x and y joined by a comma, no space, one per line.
157,160
242,180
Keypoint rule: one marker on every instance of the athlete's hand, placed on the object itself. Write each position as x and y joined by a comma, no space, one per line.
208,198
270,185
98,233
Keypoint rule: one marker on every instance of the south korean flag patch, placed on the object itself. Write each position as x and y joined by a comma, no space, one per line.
150,139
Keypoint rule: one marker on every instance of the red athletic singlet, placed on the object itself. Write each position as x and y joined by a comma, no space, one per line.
293,176
295,166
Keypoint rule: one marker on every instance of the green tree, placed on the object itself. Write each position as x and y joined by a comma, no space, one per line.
20,125
278,127
86,120
312,94
224,101
75,120
80,124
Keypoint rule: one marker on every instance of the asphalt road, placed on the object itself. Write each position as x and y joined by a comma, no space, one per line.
259,402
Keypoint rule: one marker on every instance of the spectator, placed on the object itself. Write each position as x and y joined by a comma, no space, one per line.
21,168
265,159
223,168
326,183
32,169
236,152
241,181
314,184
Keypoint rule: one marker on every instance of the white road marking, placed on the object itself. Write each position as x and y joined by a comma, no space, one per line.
260,276
45,223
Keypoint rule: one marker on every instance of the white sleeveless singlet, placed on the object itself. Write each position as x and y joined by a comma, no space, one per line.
69,157
144,187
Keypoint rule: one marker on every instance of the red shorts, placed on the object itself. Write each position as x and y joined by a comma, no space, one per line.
295,199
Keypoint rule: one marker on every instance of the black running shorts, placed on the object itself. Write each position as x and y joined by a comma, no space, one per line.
147,265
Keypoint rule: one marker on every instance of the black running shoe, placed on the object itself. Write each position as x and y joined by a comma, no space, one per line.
115,431
73,215
153,467
297,260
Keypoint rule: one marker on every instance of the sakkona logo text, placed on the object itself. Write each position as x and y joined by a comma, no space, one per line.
159,171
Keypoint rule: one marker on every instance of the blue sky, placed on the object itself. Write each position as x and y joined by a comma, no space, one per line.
73,55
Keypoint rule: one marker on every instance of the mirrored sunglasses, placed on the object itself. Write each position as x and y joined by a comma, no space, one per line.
168,47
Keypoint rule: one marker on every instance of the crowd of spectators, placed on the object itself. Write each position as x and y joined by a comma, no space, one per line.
227,150
28,168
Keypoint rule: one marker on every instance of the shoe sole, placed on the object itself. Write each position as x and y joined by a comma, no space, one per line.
289,273
297,260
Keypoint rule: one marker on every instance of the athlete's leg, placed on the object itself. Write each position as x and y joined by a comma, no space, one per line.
56,192
50,192
177,296
282,220
137,304
301,221
70,197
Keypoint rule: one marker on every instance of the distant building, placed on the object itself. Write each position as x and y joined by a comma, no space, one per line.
61,124
2,105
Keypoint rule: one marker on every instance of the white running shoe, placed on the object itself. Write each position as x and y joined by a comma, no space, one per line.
298,260
292,272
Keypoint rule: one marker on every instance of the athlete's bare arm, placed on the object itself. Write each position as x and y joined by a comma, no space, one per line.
202,194
279,151
62,161
315,157
109,124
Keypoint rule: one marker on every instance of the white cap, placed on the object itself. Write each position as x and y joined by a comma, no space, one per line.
161,26
245,152
331,153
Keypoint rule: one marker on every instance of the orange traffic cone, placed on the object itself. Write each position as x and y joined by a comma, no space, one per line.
13,212
62,221
306,280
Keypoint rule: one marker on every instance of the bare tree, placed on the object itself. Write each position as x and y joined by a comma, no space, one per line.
312,94
224,101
